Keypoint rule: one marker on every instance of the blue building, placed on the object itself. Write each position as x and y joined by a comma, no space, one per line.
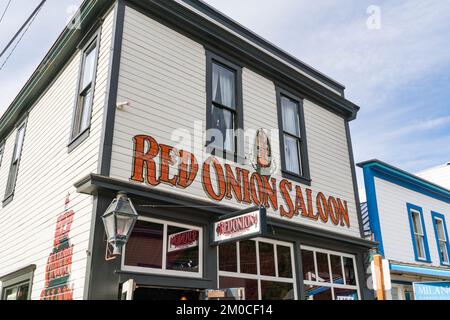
409,218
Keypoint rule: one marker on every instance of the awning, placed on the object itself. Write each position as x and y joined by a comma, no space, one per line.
419,270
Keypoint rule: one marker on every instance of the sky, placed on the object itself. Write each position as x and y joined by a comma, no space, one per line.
392,56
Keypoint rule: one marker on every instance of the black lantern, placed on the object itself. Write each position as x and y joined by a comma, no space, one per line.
119,220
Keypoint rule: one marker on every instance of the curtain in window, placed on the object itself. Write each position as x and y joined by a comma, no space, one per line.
290,117
223,86
291,154
222,120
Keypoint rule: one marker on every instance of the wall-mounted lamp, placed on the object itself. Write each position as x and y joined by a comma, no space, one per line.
119,220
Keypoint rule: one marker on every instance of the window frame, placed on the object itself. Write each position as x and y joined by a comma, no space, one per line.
305,177
18,278
85,47
438,216
2,151
413,208
164,271
331,284
258,277
237,155
9,191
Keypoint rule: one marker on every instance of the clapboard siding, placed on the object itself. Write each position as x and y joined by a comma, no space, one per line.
47,173
394,223
163,76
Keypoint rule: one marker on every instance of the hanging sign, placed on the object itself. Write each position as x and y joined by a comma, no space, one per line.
183,240
240,225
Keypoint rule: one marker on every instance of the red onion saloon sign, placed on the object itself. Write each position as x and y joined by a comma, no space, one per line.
153,163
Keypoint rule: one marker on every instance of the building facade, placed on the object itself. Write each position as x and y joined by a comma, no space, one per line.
194,117
408,218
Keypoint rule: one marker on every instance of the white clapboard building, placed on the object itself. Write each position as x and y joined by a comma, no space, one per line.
193,117
409,217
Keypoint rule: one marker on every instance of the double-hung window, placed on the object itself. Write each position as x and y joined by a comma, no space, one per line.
85,94
11,184
224,106
442,241
294,159
418,233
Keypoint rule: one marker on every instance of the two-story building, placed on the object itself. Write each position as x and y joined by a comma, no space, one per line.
194,117
407,215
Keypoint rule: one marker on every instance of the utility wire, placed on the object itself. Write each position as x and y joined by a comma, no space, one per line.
4,12
26,25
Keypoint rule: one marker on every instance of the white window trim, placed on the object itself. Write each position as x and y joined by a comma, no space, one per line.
257,276
331,284
164,271
420,233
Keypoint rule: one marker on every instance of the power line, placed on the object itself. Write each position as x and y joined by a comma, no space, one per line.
4,12
25,26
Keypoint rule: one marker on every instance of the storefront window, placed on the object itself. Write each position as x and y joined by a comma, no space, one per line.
247,255
145,246
272,279
284,261
228,257
182,249
266,259
165,248
319,285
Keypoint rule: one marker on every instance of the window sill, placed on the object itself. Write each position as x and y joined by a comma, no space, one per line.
423,260
295,177
77,140
7,200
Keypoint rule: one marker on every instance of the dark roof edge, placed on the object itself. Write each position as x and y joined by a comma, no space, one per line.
380,164
267,45
53,61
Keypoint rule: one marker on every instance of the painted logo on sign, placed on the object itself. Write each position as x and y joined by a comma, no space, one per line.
183,240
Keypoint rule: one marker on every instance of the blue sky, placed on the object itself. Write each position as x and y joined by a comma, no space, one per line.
398,74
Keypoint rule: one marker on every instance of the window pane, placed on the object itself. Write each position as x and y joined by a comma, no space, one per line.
223,122
336,269
224,87
22,293
318,293
323,271
247,255
291,154
89,68
290,116
228,257
417,225
251,286
420,246
277,291
443,251
182,249
145,246
349,269
309,273
85,116
440,230
284,262
345,294
266,259
19,143
11,294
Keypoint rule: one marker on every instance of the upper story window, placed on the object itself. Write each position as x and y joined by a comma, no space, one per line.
85,94
294,158
224,105
418,233
442,240
11,184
